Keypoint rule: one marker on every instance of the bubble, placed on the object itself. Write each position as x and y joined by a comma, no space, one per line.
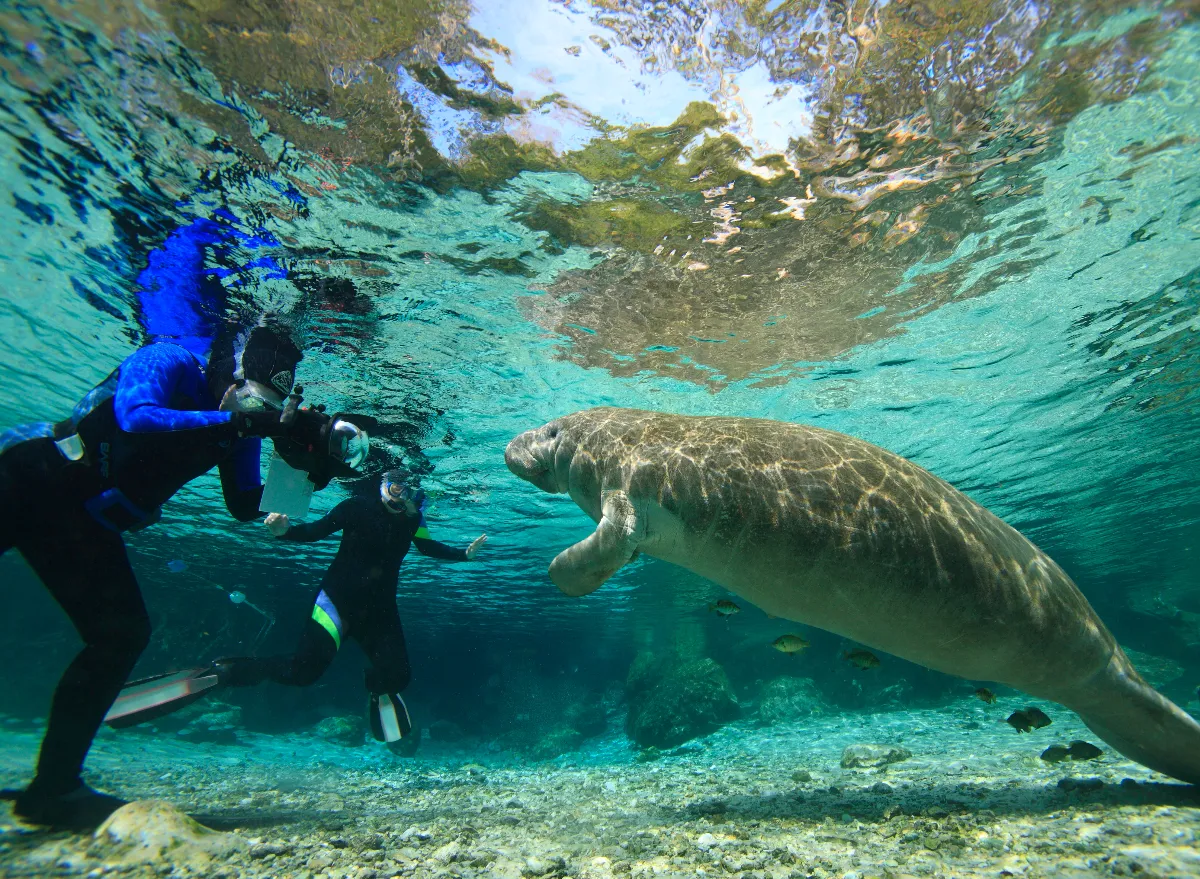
237,597
176,566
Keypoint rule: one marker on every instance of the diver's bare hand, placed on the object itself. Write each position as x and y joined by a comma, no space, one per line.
473,549
278,524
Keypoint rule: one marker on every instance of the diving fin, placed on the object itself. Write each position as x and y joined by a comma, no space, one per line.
388,717
154,697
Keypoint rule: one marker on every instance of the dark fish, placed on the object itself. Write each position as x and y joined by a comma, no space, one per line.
789,644
1019,721
1037,717
1028,719
1081,750
1055,754
986,695
725,608
863,659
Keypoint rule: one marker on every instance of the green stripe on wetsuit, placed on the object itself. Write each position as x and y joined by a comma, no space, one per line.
422,533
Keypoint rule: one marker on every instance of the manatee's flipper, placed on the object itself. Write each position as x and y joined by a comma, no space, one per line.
581,568
1139,721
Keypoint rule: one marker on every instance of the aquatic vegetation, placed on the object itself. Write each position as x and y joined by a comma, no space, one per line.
672,700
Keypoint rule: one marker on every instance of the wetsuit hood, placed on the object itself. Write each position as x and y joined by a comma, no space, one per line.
262,354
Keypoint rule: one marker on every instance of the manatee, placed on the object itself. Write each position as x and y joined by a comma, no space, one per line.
832,531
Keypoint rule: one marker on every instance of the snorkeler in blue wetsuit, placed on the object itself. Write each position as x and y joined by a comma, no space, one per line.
69,490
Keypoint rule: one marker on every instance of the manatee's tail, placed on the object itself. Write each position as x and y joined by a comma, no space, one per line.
1140,722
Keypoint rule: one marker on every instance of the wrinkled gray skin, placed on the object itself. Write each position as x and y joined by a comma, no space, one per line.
828,530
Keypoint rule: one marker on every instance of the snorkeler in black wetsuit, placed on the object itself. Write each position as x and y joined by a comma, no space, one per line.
68,491
357,598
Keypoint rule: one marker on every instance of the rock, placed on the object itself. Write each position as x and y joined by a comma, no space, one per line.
505,868
872,756
268,848
672,701
558,741
802,776
219,724
320,861
881,787
597,868
149,831
451,851
540,866
787,698
446,731
342,730
586,718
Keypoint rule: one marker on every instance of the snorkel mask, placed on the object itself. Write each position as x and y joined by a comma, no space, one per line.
399,497
349,443
251,396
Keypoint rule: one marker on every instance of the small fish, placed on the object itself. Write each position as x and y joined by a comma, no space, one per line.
1019,721
986,695
1081,750
725,608
1028,719
1037,717
789,644
862,659
1056,754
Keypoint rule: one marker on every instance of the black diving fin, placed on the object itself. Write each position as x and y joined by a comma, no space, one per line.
154,697
388,717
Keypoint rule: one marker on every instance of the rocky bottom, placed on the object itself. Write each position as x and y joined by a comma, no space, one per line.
972,799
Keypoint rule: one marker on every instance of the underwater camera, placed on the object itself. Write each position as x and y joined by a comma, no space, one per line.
323,446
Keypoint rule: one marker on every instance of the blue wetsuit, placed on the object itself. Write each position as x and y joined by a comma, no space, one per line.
67,490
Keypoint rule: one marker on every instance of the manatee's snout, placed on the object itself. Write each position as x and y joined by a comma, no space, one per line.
531,457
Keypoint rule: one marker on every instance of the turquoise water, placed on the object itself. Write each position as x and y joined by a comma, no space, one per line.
969,235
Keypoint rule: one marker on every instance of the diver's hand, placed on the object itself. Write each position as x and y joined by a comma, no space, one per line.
473,549
278,524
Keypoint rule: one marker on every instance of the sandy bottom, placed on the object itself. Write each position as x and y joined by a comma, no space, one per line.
973,800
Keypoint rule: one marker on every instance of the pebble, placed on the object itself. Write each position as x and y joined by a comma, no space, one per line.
869,756
447,853
262,849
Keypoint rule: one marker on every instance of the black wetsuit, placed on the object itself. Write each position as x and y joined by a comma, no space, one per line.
357,598
68,490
